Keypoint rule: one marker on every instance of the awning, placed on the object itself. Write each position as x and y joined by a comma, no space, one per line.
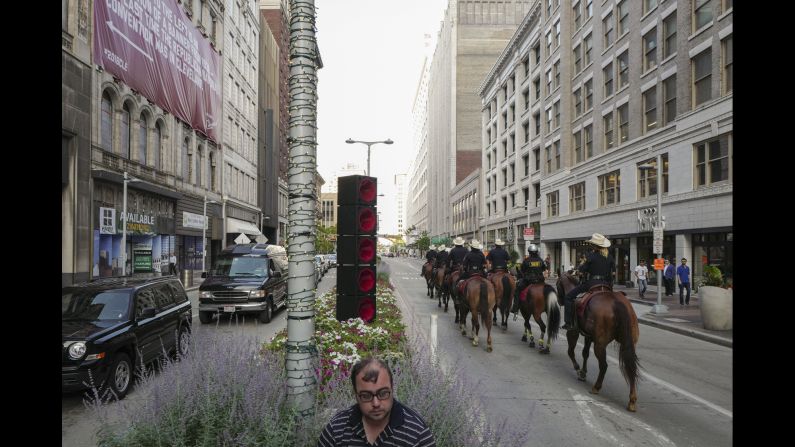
241,226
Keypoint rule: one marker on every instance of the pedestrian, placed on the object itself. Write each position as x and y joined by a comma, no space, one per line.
683,271
376,417
172,264
668,276
640,273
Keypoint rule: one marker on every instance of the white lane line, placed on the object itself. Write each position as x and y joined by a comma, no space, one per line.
588,418
661,438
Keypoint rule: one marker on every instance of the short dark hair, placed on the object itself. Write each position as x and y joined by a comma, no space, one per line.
642,260
370,374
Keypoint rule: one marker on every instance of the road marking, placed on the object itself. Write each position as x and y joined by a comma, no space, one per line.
661,438
588,418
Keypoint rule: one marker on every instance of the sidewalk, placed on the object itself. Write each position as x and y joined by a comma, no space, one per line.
683,320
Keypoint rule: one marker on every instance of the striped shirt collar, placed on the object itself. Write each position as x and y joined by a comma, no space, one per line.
396,419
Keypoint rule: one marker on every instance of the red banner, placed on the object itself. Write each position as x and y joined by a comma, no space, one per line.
154,48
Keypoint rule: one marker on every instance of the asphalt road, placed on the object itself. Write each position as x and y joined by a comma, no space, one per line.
684,399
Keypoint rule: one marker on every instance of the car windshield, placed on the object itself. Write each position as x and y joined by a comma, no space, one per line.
95,305
242,266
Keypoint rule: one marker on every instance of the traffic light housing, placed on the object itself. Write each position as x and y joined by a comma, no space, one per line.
357,243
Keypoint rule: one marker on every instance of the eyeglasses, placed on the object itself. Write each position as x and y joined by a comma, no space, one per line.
382,394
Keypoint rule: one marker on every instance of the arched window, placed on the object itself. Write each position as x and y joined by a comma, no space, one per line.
142,142
199,161
106,130
185,160
124,134
156,147
212,171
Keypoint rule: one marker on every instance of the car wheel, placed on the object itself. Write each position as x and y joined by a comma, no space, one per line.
265,315
205,317
183,342
120,375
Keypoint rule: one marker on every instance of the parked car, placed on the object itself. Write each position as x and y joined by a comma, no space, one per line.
318,271
111,326
321,263
332,259
246,278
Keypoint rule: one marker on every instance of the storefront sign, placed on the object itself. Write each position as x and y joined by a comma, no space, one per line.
107,221
190,220
142,260
111,222
659,264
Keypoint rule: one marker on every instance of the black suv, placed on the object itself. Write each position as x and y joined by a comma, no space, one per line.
245,278
107,324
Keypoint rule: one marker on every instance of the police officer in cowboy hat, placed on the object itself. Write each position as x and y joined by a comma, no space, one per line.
441,258
474,261
457,254
430,256
532,271
597,266
498,258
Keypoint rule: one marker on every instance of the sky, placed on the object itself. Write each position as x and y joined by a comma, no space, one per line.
372,53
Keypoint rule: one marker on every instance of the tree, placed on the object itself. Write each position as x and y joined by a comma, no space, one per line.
325,238
424,242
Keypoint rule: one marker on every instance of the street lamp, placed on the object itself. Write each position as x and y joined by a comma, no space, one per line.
124,224
658,308
369,143
204,231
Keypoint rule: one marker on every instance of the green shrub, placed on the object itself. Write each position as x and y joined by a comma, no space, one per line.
712,276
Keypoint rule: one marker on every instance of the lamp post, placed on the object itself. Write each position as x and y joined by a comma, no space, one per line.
658,308
204,231
124,224
369,143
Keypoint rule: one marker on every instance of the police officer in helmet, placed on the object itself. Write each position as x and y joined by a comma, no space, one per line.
597,266
532,271
498,258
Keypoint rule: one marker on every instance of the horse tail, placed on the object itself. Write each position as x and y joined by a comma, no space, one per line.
627,357
506,293
553,316
484,301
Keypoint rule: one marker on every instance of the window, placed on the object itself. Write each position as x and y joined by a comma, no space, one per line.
504,177
577,147
556,70
526,196
185,160
526,66
728,61
488,186
505,121
650,50
537,88
702,77
648,5
142,124
212,171
589,94
513,200
669,33
552,204
488,209
588,141
156,147
647,178
548,151
199,161
549,43
623,18
702,13
488,136
650,109
549,7
669,98
623,69
65,15
610,188
106,137
609,32
526,161
488,160
556,146
144,299
513,113
505,205
549,120
526,129
537,158
537,121
557,34
577,15
713,160
549,81
577,58
513,173
587,41
526,98
556,109
607,120
504,149
577,102
537,189
537,53
588,9
727,5
577,197
623,123
124,132
607,73
513,143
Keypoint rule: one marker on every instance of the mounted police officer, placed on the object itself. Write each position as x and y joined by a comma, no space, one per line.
532,271
597,267
430,256
441,259
474,261
498,258
457,254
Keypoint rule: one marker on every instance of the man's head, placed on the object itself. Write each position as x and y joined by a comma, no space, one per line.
665,261
684,261
372,381
642,262
532,249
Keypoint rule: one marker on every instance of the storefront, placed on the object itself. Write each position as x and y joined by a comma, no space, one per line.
619,248
713,249
646,251
189,243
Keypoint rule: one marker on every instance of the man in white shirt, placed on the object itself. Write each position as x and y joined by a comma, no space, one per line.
640,274
172,264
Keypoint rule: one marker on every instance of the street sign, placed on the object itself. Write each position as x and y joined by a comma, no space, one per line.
658,264
242,239
529,233
657,247
658,233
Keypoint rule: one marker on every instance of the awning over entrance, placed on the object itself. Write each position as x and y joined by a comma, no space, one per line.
241,226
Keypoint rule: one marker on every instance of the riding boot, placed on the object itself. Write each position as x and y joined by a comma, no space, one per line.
568,317
515,307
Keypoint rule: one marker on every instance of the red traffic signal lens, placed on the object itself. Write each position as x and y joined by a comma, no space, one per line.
366,250
366,280
367,220
367,190
366,309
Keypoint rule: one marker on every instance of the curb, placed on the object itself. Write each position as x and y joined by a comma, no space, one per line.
692,333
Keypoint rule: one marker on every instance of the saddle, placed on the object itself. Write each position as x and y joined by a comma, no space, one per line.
462,285
533,288
582,303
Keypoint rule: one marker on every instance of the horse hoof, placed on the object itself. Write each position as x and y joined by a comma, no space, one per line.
594,390
438,305
505,327
524,338
474,342
489,349
544,351
456,320
532,344
631,407
581,375
445,310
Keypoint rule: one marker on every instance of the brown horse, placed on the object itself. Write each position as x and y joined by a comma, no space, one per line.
504,288
440,286
608,316
452,292
540,298
478,298
427,273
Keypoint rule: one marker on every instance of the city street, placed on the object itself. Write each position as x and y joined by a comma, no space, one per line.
684,397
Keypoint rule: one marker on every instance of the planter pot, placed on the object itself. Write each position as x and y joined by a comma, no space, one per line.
716,307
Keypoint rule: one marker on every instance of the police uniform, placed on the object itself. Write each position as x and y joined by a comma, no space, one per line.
532,271
430,256
441,259
456,257
498,258
597,267
474,262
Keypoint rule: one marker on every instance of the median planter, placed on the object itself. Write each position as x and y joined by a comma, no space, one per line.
716,307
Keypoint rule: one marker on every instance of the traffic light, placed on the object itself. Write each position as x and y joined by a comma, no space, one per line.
357,243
